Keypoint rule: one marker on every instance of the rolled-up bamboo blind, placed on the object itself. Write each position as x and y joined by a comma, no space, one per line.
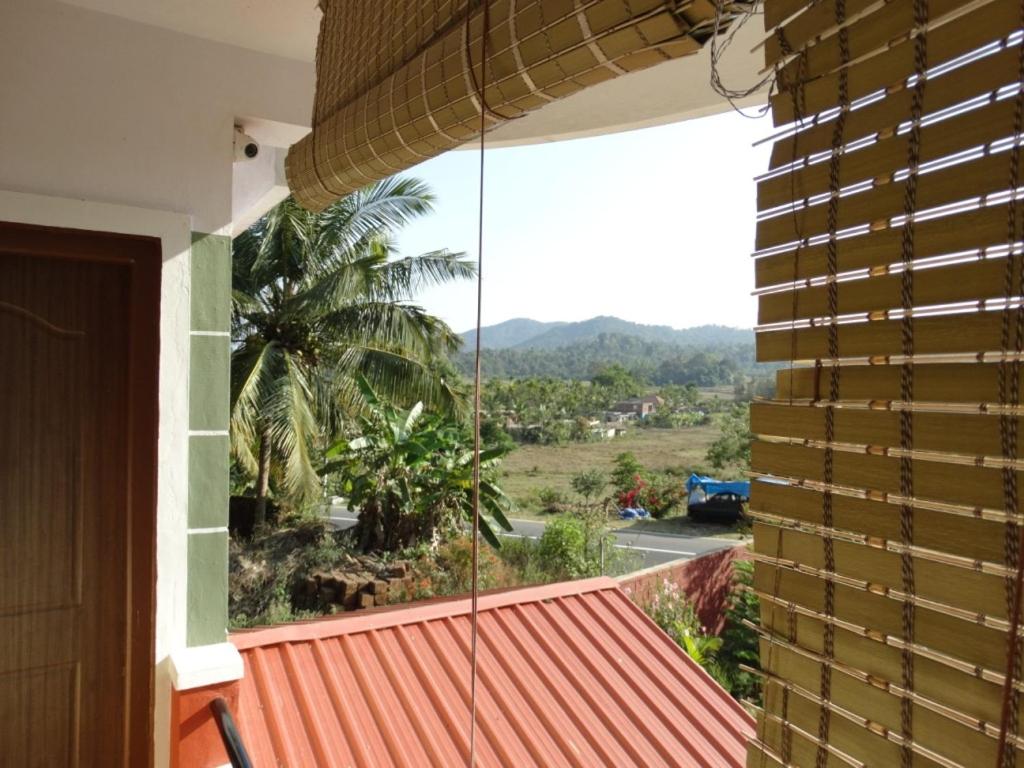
887,517
398,80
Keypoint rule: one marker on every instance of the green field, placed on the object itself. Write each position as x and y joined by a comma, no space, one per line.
532,467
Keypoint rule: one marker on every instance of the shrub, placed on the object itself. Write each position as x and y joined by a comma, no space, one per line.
563,548
739,641
721,656
627,469
552,501
658,494
452,573
523,556
732,448
671,611
409,476
589,484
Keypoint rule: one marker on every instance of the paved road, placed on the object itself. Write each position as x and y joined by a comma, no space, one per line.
655,548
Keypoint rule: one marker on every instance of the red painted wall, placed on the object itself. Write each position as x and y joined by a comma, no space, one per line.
195,739
706,581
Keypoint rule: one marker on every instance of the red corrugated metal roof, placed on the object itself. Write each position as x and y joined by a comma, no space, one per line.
570,674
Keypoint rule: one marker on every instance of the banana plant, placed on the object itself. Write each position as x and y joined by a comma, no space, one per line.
409,477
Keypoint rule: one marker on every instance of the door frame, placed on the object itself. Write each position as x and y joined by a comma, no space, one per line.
143,256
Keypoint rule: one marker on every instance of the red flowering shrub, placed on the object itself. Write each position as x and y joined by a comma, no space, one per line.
658,494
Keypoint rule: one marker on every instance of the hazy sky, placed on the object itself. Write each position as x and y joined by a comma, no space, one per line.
654,226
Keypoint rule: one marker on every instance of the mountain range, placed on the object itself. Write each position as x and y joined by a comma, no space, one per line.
523,333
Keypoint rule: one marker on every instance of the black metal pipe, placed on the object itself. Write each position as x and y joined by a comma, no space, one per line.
229,734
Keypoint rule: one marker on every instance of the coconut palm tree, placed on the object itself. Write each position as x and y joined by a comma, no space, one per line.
320,300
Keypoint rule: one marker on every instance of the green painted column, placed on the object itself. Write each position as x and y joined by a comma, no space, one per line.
208,462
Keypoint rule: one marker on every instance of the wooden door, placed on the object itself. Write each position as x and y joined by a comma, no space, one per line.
77,430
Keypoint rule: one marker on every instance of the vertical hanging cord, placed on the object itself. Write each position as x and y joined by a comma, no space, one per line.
906,416
828,473
1009,395
474,617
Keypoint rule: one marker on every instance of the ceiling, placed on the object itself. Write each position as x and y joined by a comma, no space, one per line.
285,28
673,91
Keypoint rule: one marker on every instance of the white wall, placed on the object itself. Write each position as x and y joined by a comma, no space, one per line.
117,126
96,107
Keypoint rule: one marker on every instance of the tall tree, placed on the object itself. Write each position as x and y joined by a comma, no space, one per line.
320,300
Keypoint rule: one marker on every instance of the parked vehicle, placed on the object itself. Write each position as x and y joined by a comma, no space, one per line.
711,499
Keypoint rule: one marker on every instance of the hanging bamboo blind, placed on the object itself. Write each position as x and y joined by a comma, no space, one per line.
398,80
887,514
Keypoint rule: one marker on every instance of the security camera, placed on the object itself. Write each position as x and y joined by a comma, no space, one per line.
246,147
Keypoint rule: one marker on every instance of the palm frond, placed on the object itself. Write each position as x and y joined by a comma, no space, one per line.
293,429
402,327
349,280
252,371
410,274
398,378
382,207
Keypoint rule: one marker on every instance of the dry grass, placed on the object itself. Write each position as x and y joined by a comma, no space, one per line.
530,468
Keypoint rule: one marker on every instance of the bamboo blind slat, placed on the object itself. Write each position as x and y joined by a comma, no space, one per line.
802,744
969,383
777,12
886,504
767,758
976,697
970,281
943,91
398,82
884,200
869,35
963,434
951,36
908,552
802,29
845,734
932,732
940,236
940,334
963,535
938,140
956,587
933,481
970,642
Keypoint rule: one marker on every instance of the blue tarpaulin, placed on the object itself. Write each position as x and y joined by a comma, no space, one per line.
710,486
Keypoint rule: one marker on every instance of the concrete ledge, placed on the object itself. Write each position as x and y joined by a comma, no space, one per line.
205,665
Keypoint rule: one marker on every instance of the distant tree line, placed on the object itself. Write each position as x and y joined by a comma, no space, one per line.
650,362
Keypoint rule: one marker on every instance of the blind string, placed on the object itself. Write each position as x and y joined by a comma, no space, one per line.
1009,393
827,514
906,419
796,90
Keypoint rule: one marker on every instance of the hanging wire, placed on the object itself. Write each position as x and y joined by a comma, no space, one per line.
481,87
735,16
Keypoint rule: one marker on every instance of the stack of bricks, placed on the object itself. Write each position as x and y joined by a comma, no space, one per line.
361,589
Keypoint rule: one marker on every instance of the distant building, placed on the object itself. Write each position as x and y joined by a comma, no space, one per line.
640,407
609,429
